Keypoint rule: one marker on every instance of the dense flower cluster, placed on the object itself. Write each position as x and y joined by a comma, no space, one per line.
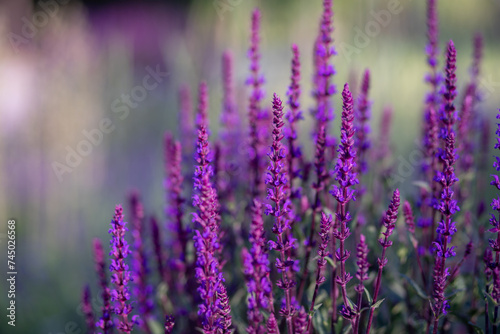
214,274
121,275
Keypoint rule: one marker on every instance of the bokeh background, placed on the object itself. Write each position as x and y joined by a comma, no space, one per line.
61,78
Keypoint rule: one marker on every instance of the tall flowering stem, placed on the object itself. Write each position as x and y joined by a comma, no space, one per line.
448,112
430,122
230,131
256,269
104,322
87,310
141,289
206,238
345,171
157,246
446,228
293,116
121,275
256,80
174,210
318,186
361,275
324,233
389,222
324,70
495,222
361,123
276,193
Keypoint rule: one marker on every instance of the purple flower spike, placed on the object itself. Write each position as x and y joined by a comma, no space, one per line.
175,205
361,123
206,237
448,114
300,322
104,322
324,70
324,233
169,324
157,246
446,228
293,116
87,310
276,193
121,276
256,269
255,112
272,325
141,289
345,171
389,222
494,261
202,113
230,132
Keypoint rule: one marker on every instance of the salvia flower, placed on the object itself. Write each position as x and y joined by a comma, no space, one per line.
293,116
141,289
276,193
169,324
121,275
389,223
255,112
495,218
272,325
230,131
104,322
87,310
206,238
318,186
175,201
361,275
446,227
448,112
324,70
361,123
345,171
300,322
256,270
324,233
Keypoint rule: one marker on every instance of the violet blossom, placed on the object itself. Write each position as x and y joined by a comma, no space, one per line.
389,223
345,171
121,274
256,270
276,193
104,322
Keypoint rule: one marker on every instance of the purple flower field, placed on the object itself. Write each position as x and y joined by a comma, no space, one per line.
280,235
287,208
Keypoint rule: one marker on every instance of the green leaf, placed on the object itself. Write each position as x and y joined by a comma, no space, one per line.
330,261
368,296
351,303
377,304
316,307
477,329
417,287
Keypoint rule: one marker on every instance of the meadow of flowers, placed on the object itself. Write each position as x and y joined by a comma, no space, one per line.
258,238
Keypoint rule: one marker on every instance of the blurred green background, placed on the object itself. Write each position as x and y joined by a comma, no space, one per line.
61,79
